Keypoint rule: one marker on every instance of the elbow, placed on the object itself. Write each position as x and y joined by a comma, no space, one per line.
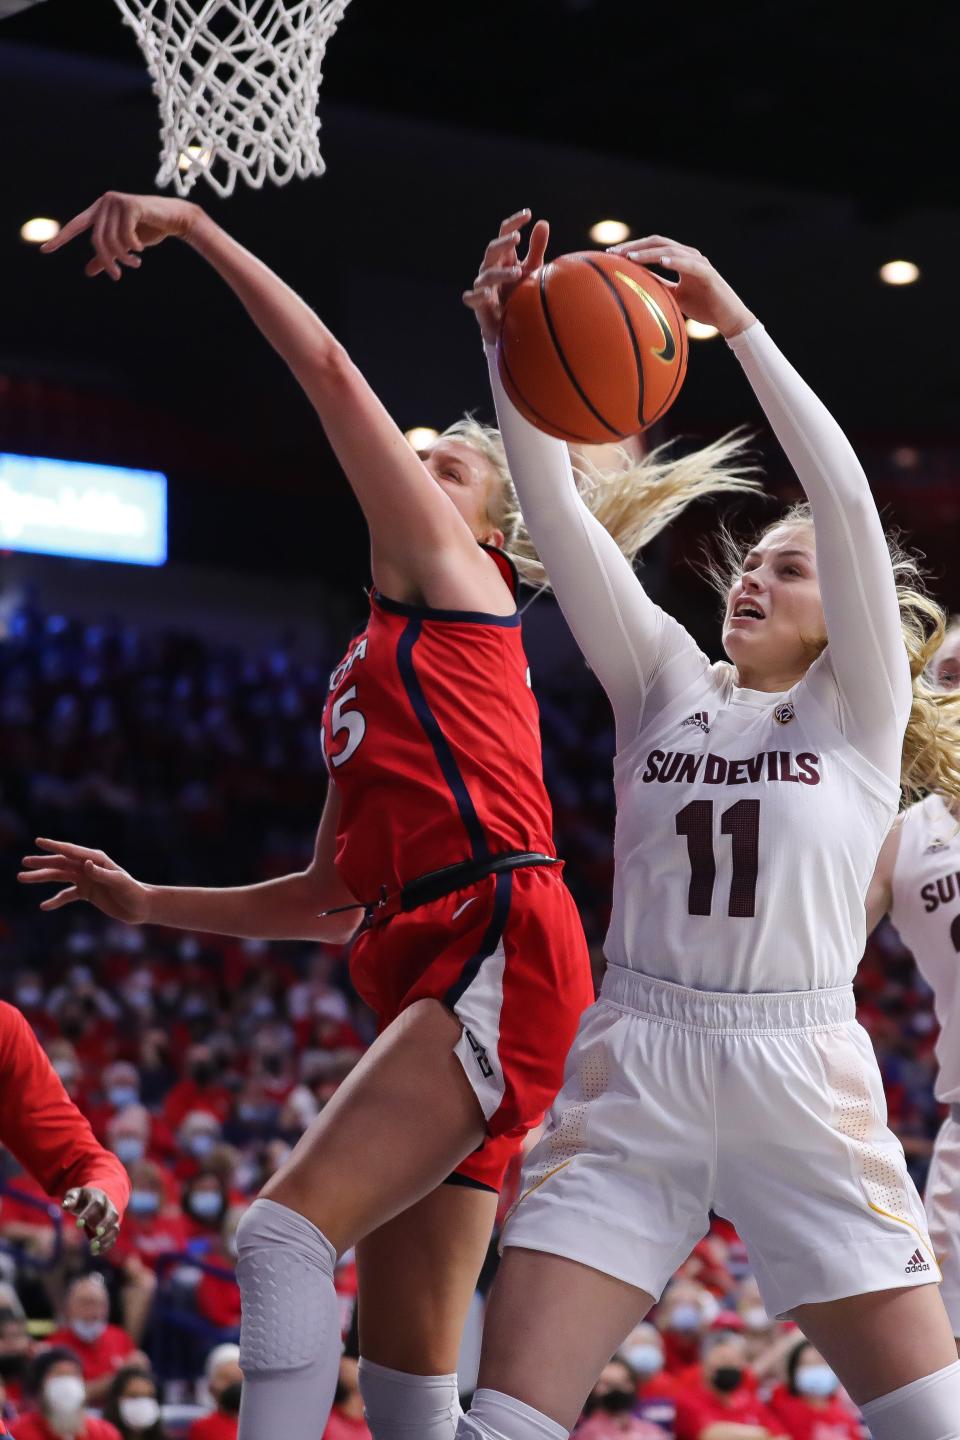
327,365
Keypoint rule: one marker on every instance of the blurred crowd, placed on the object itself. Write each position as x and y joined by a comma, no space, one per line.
199,1060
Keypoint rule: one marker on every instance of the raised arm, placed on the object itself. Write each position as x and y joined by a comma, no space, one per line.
420,542
866,657
624,636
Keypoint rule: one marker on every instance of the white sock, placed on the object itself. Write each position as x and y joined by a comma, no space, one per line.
290,1328
400,1406
495,1416
927,1409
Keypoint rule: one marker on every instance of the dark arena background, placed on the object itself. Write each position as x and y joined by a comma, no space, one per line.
169,713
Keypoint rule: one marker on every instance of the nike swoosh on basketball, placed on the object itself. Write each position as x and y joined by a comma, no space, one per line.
460,908
669,349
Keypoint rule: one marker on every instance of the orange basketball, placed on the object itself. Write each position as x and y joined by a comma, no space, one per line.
592,348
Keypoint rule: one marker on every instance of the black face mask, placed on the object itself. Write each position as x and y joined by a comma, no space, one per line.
12,1366
727,1378
203,1072
229,1401
616,1402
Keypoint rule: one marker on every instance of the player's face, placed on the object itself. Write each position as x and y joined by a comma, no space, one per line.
773,626
946,662
463,474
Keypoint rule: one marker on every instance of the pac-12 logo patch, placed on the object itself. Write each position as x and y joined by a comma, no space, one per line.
783,714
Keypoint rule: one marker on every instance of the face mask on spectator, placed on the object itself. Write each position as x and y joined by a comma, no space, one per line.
727,1378
756,1318
686,1318
66,1069
818,1380
122,1095
64,1394
28,996
206,1204
203,1072
616,1402
246,1176
645,1359
189,948
201,1144
139,1412
229,1400
129,1148
88,1330
144,1202
12,1366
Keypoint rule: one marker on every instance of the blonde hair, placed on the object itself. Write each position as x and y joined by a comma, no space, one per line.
931,743
633,499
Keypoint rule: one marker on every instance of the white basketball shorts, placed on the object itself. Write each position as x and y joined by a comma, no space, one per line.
943,1211
767,1109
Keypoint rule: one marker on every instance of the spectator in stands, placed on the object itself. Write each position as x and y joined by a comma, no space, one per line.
133,1405
218,1294
609,1413
61,1413
657,1389
102,1348
204,1203
201,1090
346,1418
683,1317
723,1396
197,1138
16,1352
128,1133
224,1382
809,1407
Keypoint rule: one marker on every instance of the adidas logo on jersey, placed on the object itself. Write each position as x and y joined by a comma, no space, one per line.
700,718
935,846
917,1263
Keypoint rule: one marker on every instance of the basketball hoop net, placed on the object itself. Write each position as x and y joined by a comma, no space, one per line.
238,83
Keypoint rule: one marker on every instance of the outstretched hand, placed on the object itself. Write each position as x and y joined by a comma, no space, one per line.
701,292
95,1214
86,875
124,225
502,270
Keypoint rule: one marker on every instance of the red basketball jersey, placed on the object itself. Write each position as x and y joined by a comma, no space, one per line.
432,736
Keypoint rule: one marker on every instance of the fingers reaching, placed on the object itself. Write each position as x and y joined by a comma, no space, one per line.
70,231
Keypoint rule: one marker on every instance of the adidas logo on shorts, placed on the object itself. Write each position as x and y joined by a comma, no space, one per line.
917,1263
700,718
486,1069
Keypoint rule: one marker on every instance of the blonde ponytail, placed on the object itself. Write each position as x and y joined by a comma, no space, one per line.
632,499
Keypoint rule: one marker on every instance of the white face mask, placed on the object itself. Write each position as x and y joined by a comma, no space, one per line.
139,1412
88,1330
64,1394
756,1318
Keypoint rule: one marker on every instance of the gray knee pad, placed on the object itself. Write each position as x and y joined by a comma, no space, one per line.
290,1316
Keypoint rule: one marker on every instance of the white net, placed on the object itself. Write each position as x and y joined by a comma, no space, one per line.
238,83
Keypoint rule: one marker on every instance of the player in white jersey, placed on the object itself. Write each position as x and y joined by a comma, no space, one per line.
722,1067
917,882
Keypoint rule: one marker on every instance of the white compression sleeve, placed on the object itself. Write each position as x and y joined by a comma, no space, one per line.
290,1330
495,1416
400,1406
928,1409
624,636
866,654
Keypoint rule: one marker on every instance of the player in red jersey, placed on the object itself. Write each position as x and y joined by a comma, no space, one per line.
437,829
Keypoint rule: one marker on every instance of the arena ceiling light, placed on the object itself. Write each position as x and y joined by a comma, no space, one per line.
899,272
40,229
698,331
609,232
421,436
194,155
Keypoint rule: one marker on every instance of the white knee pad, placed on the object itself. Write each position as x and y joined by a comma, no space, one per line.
927,1409
285,1266
400,1406
495,1416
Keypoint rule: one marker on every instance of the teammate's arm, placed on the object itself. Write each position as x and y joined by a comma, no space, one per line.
418,536
880,889
287,908
616,625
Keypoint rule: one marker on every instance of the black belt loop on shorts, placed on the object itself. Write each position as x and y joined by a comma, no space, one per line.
437,883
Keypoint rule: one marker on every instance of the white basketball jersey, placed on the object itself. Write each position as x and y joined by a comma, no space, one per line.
926,912
748,829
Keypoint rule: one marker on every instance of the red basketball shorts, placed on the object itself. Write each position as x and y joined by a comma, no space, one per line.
508,956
